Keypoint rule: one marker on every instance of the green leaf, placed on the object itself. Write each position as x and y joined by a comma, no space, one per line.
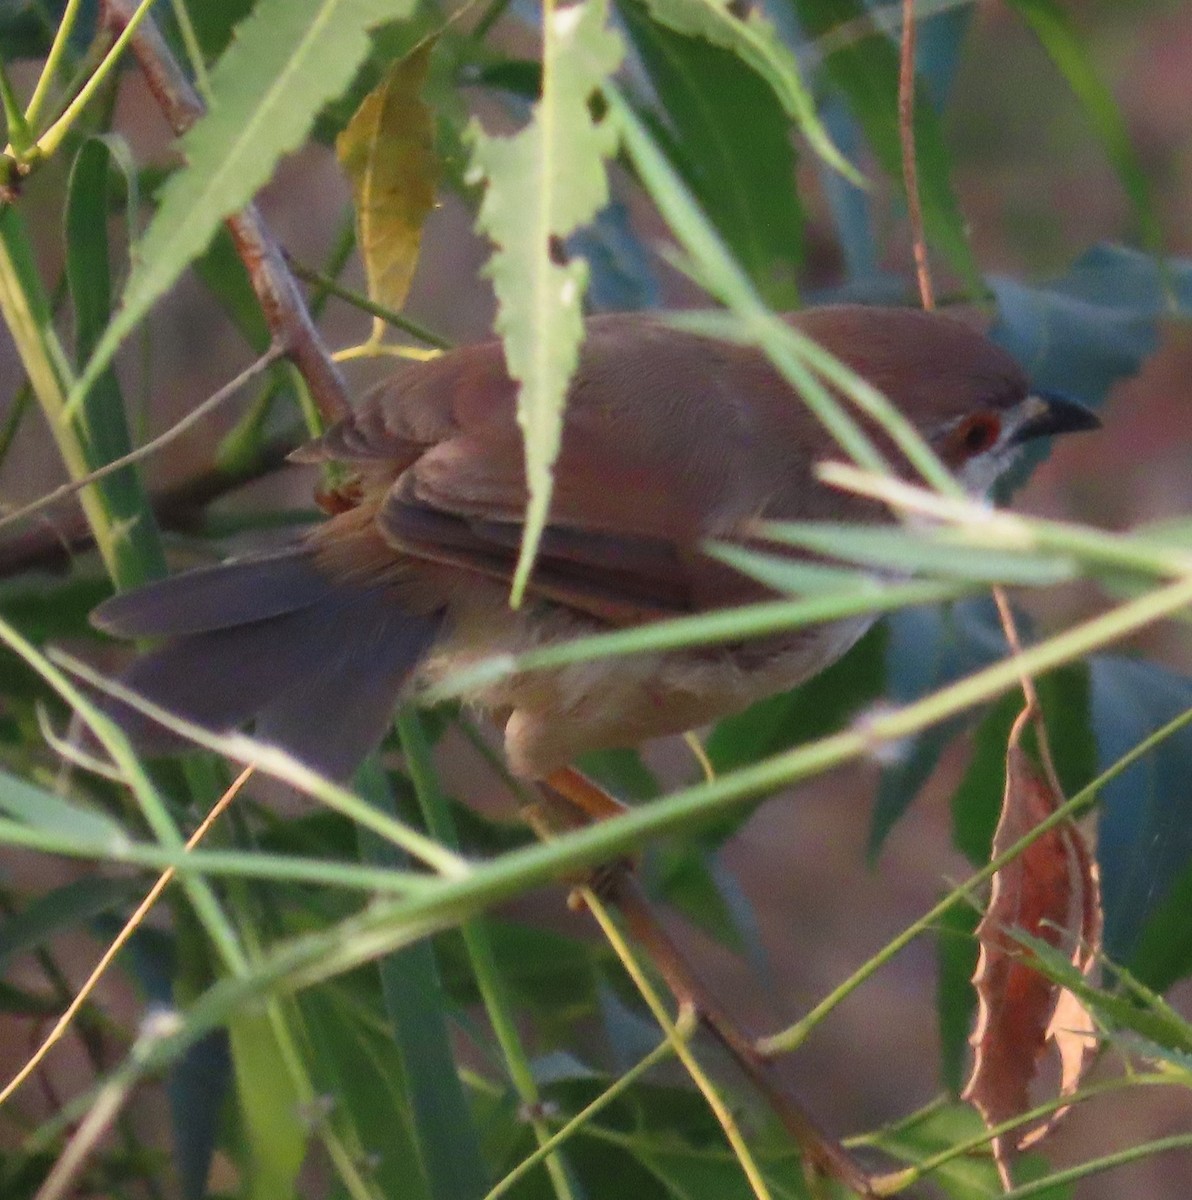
746,186
40,809
1144,829
622,772
42,610
789,575
695,881
213,24
956,1001
942,552
1164,952
288,58
388,153
1137,1008
963,1177
62,908
692,1174
1053,27
542,184
414,1005
198,1086
543,975
820,707
103,429
356,1061
270,1104
755,42
1094,325
865,72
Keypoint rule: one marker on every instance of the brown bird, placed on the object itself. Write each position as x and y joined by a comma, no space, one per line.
670,439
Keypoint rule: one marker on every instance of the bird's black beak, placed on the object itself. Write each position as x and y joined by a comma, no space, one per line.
1049,414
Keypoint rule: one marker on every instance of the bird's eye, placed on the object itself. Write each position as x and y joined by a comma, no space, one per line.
977,434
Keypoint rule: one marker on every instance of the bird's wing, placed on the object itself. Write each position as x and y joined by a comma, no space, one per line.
658,453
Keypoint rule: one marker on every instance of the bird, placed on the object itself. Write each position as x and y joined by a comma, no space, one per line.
670,440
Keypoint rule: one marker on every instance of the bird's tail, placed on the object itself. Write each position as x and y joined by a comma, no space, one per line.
316,665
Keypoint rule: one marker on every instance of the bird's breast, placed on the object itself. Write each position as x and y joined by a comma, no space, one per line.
553,716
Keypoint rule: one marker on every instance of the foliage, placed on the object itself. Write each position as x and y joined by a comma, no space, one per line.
336,990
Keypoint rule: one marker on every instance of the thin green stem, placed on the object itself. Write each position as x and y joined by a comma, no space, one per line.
19,134
53,61
1009,530
726,625
567,1130
26,310
53,137
242,864
194,51
333,287
337,260
677,1039
933,1162
1094,1166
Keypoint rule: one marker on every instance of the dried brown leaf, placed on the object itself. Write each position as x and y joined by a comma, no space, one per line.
1050,892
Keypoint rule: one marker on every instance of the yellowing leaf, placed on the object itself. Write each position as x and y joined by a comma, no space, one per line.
387,150
542,184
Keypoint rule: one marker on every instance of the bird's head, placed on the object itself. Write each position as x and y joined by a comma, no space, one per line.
967,396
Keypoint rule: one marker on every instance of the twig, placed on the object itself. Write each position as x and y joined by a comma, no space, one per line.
910,166
585,802
1029,691
910,175
330,286
678,1043
118,943
178,508
66,490
281,302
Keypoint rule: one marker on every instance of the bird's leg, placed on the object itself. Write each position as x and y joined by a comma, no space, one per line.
584,796
615,883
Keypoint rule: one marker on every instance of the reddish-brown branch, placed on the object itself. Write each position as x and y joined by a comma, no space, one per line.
910,166
823,1156
276,289
576,801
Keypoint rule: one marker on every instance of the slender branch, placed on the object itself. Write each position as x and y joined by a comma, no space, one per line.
53,137
142,452
330,286
910,174
910,166
84,993
678,1043
179,508
276,289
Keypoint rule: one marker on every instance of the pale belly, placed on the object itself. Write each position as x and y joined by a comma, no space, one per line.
553,716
